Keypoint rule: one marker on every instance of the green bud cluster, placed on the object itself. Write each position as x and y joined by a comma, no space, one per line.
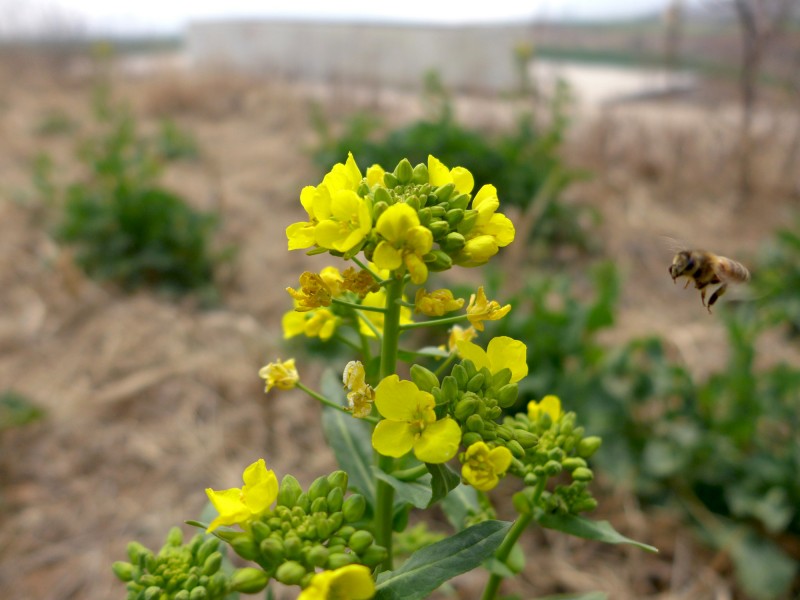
442,209
183,571
560,448
317,528
476,399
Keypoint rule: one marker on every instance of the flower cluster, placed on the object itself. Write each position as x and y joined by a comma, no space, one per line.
184,571
305,531
413,220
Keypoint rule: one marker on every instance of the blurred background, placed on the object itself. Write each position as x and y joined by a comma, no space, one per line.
152,154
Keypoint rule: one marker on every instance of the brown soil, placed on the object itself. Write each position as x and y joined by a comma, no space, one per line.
149,401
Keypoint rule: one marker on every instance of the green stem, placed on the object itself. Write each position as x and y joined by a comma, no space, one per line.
378,309
369,324
447,362
364,267
322,399
434,322
511,538
347,342
384,494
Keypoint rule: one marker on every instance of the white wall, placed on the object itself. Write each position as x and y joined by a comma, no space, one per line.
476,58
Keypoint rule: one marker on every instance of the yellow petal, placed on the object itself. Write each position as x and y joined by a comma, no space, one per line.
229,505
438,174
506,352
439,441
395,221
500,459
399,400
463,180
293,324
473,352
392,438
387,257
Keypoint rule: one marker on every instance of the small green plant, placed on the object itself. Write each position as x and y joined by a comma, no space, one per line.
17,410
173,143
777,278
125,227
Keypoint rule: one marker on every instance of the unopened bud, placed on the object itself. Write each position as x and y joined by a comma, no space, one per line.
420,174
317,555
439,229
360,541
249,580
404,171
123,570
449,389
174,537
470,438
198,593
466,407
206,549
354,507
588,446
521,503
290,572
460,373
459,202
516,449
272,551
582,474
584,505
552,467
443,192
423,378
289,491
526,439
468,222
154,592
374,555
476,383
507,395
390,181
438,260
335,499
570,464
136,550
244,545
212,563
340,559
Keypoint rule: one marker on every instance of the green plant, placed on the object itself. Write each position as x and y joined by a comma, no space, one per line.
125,227
17,410
776,279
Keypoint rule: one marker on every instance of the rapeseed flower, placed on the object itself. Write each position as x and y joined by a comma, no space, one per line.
240,505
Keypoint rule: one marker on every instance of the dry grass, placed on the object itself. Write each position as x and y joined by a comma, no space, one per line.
149,402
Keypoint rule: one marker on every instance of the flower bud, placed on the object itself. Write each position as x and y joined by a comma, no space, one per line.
354,507
154,592
425,216
459,202
335,499
198,593
181,595
552,467
340,559
360,541
244,545
475,423
468,222
413,202
488,435
390,181
272,551
530,479
174,537
290,572
588,446
466,407
439,229
206,549
289,491
582,474
420,174
453,218
303,503
516,449
249,580
317,555
437,211
404,171
507,395
449,389
293,546
469,367
460,373
320,505
476,383
135,550
526,439
570,464
212,563
261,530
470,438
335,519
493,413
584,505
123,570
424,379
373,556
443,192
319,488
438,260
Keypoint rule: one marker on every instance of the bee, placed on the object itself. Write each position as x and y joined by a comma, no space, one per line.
705,269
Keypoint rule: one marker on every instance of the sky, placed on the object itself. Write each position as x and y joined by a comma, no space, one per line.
170,16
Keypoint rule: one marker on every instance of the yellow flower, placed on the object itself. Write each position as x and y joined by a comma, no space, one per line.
314,292
483,467
351,582
501,353
361,394
348,225
282,375
237,506
549,405
359,282
438,174
492,230
404,242
458,333
410,423
480,309
320,323
436,303
378,299
333,279
318,203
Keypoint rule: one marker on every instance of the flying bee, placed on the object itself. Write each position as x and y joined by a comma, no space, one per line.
705,269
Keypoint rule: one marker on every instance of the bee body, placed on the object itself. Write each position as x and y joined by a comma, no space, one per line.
705,269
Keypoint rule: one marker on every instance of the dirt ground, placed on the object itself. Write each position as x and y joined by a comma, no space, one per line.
148,402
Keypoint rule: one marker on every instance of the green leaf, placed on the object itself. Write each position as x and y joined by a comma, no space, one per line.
416,493
600,531
444,480
431,566
349,438
514,565
460,504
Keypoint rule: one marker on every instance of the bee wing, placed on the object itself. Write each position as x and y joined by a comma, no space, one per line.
673,245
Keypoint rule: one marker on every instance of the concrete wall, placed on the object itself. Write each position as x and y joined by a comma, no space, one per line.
475,58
